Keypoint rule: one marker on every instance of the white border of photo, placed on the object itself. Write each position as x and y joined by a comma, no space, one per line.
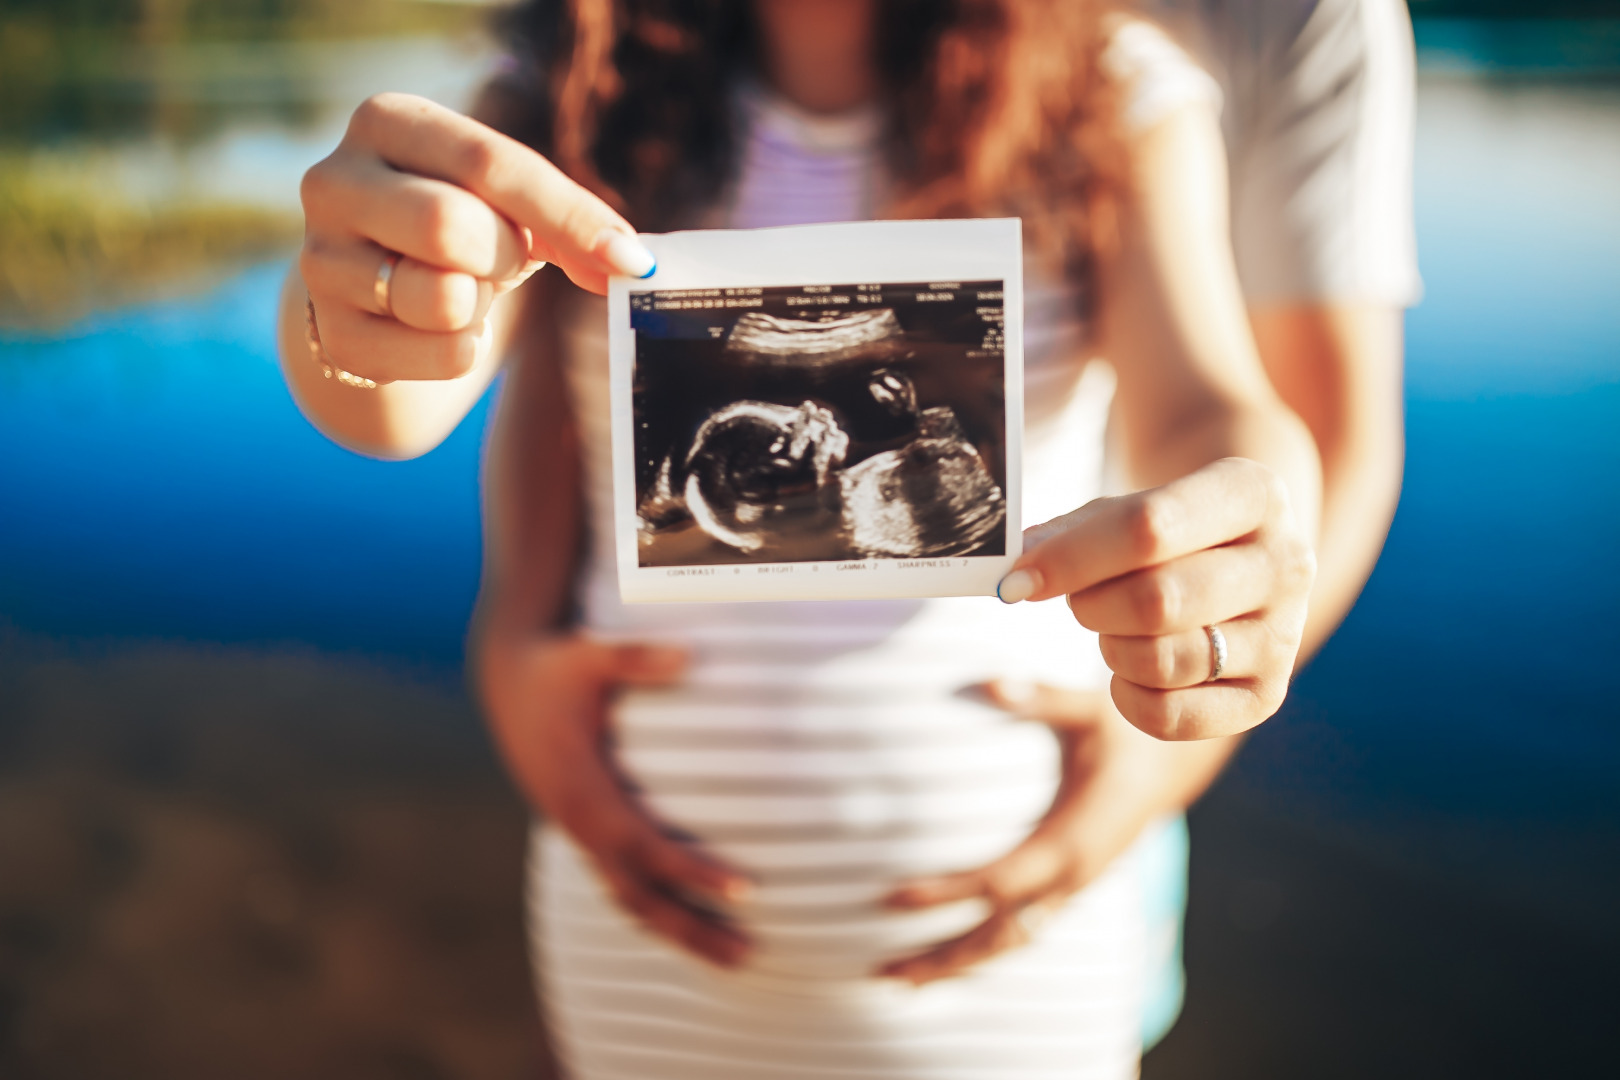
879,252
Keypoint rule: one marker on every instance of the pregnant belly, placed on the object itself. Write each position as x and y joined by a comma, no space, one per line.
828,804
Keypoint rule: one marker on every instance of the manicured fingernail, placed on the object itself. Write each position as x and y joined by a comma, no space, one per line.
1018,585
629,256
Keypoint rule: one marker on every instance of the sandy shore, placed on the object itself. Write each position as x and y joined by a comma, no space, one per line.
231,863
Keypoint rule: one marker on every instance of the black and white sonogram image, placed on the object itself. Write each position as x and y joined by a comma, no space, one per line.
819,423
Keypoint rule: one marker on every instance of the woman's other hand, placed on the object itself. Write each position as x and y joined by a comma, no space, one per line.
471,214
1150,571
547,699
1116,781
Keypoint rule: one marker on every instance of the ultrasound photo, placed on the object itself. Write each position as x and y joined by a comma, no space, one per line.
819,423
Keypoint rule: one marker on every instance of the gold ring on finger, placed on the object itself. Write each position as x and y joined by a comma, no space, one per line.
1217,652
382,288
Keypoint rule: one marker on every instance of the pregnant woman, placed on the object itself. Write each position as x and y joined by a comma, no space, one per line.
833,839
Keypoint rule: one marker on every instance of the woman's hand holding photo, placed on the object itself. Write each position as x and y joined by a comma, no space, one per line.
417,228
421,218
1154,571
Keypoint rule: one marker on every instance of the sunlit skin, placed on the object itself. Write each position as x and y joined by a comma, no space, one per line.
1223,526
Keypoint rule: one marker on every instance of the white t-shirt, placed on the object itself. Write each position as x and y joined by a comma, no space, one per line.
1317,117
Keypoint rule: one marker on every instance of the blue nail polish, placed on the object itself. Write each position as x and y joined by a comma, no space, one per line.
651,272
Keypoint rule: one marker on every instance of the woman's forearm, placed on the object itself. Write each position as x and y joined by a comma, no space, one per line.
1338,366
532,488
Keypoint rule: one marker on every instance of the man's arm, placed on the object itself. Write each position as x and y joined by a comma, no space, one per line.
1338,366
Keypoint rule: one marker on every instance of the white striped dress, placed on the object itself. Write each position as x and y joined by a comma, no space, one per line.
828,750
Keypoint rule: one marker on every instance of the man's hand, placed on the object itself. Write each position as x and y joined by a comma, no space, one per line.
1150,571
547,699
1116,780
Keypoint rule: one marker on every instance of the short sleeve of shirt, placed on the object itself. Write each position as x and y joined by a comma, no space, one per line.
1157,74
1317,115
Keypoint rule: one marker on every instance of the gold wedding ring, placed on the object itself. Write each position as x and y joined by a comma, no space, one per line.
382,288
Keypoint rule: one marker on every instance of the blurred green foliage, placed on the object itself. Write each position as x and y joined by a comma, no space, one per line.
118,68
218,19
79,75
115,68
70,240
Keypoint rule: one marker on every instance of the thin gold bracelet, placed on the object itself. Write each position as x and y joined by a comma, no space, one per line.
312,335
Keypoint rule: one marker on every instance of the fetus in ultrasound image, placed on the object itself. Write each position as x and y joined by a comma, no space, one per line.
819,423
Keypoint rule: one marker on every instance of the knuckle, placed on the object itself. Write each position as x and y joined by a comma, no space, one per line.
1149,527
475,160
445,300
1276,488
372,113
1293,562
316,186
1156,600
1279,503
1164,660
1151,713
579,221
1116,652
437,225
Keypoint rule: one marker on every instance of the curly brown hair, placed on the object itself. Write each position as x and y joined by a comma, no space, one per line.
996,107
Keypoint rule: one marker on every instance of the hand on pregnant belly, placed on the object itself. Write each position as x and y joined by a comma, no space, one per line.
548,697
1197,590
1116,781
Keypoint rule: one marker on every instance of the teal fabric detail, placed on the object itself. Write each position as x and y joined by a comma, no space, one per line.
1163,866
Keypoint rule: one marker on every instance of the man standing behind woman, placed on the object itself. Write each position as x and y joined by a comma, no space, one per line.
780,841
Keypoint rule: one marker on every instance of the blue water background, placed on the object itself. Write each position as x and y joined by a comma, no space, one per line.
156,481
